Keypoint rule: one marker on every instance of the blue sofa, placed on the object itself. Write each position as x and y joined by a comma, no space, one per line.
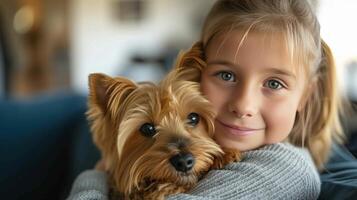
44,144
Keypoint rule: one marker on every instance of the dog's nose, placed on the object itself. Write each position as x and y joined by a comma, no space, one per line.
183,162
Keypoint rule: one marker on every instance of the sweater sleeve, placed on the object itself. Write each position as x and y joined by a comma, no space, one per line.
90,185
277,171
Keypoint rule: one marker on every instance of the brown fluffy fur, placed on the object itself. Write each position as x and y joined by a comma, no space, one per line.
139,166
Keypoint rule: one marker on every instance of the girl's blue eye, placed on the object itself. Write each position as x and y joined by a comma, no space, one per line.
274,84
226,76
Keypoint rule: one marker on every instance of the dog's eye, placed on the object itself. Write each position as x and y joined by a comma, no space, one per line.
193,119
148,130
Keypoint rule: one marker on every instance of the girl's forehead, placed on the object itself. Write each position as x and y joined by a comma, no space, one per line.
256,47
234,40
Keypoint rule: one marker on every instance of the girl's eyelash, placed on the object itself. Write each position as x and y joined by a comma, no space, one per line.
281,85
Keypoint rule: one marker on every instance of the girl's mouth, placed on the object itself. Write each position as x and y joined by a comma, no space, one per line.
238,130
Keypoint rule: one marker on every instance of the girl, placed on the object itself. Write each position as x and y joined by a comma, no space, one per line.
272,81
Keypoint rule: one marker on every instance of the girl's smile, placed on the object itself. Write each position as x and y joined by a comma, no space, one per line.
237,131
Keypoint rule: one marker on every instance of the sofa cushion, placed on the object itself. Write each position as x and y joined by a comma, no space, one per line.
36,136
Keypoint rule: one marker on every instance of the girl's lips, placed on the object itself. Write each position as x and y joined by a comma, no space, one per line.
238,131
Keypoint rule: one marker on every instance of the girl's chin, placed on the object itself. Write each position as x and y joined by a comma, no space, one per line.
229,144
242,146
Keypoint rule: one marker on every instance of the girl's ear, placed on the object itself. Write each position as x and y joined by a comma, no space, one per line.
104,90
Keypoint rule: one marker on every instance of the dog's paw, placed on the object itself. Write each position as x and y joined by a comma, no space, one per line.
230,155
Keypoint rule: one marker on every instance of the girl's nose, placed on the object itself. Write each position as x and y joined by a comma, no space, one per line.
244,103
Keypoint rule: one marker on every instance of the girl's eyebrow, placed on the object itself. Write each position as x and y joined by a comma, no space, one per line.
272,70
220,62
280,72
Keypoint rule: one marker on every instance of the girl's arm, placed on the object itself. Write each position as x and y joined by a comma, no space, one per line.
90,184
277,171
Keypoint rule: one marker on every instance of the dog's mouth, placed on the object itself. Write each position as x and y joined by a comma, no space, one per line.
187,179
181,178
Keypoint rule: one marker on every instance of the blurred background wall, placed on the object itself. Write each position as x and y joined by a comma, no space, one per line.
337,29
48,45
106,39
55,44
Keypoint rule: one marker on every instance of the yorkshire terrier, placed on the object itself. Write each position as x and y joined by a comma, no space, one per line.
155,140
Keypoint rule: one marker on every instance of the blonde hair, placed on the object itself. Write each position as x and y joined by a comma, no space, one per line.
317,123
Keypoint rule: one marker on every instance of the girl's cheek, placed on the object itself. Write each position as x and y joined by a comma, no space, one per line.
279,118
216,94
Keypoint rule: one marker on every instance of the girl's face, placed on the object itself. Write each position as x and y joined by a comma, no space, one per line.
255,91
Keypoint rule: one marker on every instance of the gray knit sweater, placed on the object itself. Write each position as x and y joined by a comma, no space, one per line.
277,171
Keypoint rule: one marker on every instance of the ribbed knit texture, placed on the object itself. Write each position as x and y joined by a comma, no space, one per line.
277,171
90,184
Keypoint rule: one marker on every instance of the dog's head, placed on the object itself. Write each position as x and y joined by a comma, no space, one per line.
150,132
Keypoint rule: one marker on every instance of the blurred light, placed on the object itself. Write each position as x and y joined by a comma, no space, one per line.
24,19
337,29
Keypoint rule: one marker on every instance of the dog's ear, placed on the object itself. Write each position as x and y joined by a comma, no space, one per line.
106,96
105,91
189,64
